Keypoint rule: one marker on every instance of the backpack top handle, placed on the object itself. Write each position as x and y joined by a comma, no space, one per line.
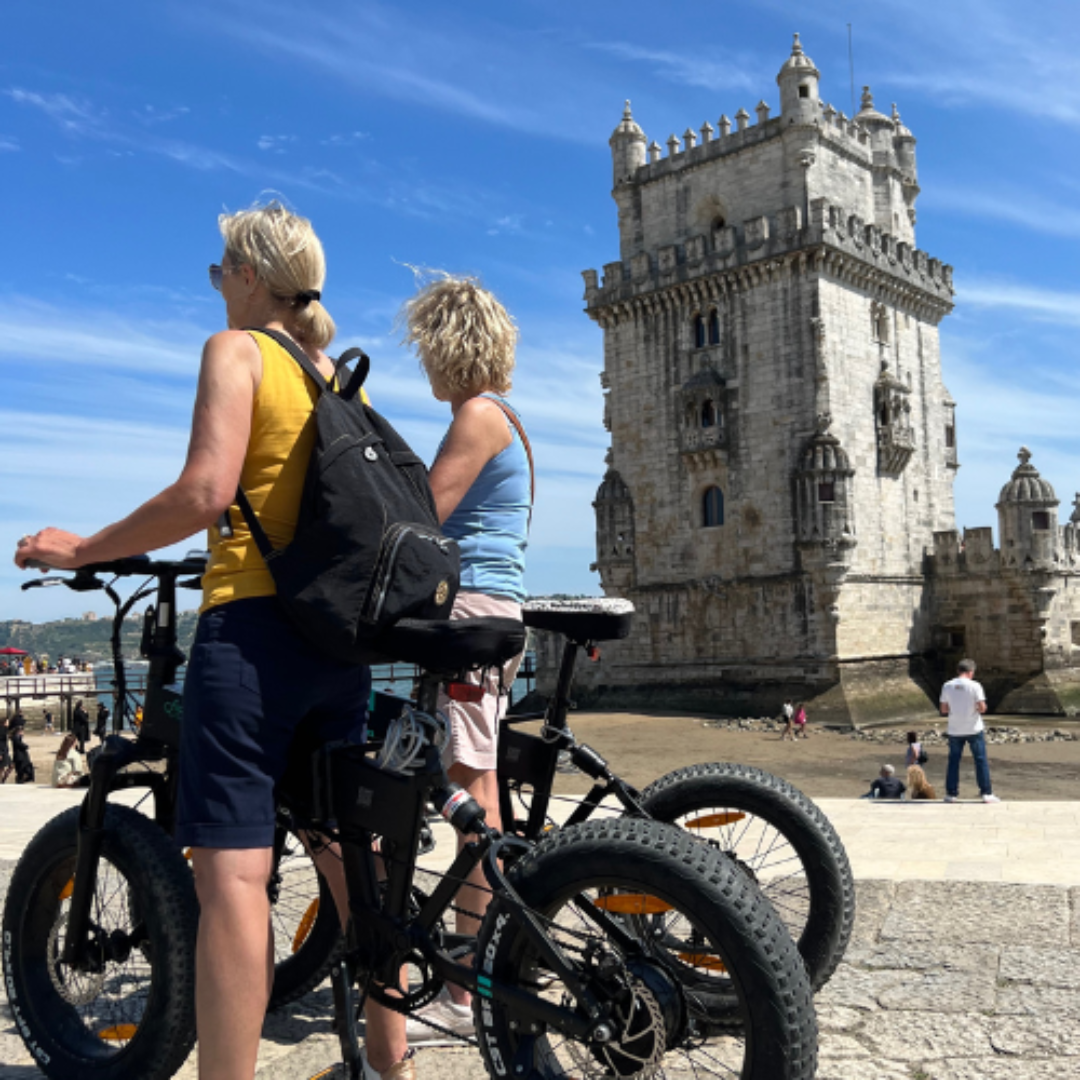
357,377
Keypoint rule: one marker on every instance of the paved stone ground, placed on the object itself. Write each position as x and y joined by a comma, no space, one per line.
943,980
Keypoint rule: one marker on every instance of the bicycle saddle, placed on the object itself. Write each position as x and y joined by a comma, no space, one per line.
453,646
581,620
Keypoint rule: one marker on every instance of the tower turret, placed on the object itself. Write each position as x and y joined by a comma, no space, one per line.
627,144
798,82
878,126
904,142
1027,518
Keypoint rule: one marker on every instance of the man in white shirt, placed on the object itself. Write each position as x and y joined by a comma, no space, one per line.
963,702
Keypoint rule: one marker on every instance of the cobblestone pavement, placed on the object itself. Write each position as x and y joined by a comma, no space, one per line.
943,981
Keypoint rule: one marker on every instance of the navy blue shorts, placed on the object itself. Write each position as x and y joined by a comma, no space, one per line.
251,679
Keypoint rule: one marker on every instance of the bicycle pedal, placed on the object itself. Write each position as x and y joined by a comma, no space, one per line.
426,843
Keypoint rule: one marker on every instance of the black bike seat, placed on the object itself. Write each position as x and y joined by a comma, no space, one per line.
446,646
598,619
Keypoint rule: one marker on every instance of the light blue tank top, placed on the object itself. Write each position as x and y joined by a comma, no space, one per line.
491,523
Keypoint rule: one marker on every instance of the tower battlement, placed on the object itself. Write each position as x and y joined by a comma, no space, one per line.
834,241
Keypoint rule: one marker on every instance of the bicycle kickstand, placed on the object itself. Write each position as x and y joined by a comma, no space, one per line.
341,980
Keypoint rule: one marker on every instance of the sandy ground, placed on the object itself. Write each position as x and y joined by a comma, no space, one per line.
827,765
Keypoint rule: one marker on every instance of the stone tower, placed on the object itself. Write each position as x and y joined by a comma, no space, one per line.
782,445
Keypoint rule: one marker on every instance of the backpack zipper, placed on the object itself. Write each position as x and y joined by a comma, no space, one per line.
384,572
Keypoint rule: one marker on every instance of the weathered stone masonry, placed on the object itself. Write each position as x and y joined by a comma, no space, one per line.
779,497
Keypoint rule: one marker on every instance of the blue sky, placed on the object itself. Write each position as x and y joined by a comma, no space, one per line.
474,138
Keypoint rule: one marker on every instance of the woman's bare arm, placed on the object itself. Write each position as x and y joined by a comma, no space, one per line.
479,433
228,378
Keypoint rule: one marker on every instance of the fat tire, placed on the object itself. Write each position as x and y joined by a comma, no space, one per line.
298,974
831,886
160,883
778,1013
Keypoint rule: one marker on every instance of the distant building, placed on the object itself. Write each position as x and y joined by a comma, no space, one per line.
779,496
90,616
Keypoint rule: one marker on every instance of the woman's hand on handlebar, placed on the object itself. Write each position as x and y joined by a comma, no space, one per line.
50,549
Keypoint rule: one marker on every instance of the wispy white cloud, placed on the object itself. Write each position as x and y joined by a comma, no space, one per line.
350,138
276,144
74,115
1043,305
9,144
1027,208
150,115
690,68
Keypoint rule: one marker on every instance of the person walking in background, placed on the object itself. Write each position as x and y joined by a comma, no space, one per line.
5,754
887,786
101,728
482,480
916,755
963,702
799,722
918,786
80,725
49,729
20,758
787,715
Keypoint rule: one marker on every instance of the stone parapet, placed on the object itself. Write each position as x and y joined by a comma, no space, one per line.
833,242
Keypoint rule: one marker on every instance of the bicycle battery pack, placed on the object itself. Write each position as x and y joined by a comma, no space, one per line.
363,798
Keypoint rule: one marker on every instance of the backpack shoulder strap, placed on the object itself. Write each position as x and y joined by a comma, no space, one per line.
295,352
511,416
258,533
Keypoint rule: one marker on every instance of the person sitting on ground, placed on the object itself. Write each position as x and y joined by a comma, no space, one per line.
915,754
68,766
888,785
918,786
482,483
20,758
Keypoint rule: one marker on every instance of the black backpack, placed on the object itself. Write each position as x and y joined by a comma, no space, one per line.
367,549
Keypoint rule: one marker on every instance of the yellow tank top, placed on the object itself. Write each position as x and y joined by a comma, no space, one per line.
282,437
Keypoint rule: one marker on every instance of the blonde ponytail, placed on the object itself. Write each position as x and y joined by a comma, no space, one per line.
286,255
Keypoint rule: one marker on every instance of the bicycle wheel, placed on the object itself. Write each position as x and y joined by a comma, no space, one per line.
747,1012
780,838
307,930
135,1014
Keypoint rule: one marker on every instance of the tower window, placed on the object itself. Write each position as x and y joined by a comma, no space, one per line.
950,436
708,414
826,491
699,332
1040,519
714,327
712,507
804,90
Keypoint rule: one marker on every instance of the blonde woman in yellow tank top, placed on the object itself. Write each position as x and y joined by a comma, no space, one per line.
242,700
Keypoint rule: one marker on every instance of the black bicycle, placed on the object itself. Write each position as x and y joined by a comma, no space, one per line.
761,823
613,948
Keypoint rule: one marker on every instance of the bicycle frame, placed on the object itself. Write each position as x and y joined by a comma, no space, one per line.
367,802
532,760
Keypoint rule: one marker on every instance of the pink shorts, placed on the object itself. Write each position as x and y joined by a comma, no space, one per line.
474,728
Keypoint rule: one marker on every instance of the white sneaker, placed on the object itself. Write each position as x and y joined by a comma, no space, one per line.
991,798
952,798
447,1014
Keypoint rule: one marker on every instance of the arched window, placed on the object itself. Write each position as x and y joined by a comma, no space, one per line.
699,331
712,507
714,327
708,414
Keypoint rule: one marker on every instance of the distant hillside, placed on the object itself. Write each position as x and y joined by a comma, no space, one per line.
84,639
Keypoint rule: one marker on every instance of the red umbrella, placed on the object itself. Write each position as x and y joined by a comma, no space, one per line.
10,650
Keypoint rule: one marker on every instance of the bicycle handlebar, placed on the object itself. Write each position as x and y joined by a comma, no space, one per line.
86,577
